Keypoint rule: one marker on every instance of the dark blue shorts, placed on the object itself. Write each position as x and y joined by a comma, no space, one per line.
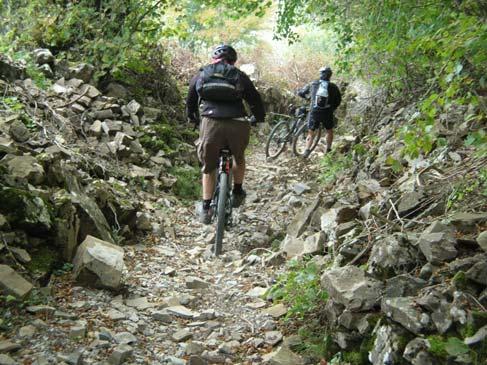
323,117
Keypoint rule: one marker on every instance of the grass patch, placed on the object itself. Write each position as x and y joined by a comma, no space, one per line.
332,164
300,289
188,183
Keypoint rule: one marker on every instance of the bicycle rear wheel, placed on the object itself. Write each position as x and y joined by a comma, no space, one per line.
277,140
299,141
221,213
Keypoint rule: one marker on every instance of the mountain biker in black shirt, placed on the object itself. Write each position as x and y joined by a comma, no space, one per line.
321,113
223,123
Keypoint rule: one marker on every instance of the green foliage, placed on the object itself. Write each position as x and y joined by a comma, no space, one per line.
203,24
434,52
332,164
453,347
188,185
43,260
317,342
478,140
300,288
115,36
63,269
468,187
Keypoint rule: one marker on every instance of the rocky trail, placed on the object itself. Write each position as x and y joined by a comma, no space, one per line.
179,304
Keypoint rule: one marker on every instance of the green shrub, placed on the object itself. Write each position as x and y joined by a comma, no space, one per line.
300,288
332,164
188,184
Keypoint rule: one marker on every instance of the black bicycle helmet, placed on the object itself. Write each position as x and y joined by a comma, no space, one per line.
226,52
325,73
326,70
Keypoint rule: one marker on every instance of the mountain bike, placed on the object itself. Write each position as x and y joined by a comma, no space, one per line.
301,137
285,131
222,201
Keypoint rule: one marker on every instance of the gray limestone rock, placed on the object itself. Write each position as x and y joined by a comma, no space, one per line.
314,244
292,246
403,286
21,255
124,338
19,132
196,283
467,222
283,356
26,210
391,256
140,303
194,348
41,309
437,246
276,311
98,263
116,90
74,358
7,360
43,56
482,240
9,70
26,168
8,346
350,286
27,331
301,188
82,72
409,202
196,360
405,312
417,352
12,283
181,311
386,349
302,219
182,335
120,354
478,272
273,337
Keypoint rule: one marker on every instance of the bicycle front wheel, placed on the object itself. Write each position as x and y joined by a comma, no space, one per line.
300,140
277,140
221,212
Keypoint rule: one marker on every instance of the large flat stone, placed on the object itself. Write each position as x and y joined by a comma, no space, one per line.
12,283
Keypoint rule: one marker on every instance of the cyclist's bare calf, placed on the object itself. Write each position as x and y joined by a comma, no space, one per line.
311,136
209,180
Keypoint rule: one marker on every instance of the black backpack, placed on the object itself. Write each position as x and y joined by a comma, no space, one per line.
219,82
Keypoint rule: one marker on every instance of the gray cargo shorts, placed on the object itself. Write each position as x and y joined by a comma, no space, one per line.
216,134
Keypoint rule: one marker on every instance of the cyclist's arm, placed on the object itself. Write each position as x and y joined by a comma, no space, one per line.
252,97
192,112
304,91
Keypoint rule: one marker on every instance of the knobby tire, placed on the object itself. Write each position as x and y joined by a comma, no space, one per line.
300,138
221,213
280,129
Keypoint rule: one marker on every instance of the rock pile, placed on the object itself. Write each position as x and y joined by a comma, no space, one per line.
73,165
